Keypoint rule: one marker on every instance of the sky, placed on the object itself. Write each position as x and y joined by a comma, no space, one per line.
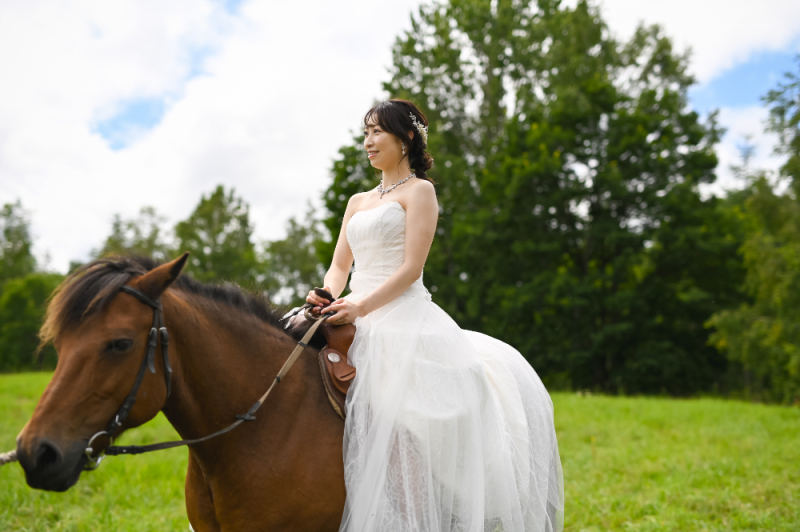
106,107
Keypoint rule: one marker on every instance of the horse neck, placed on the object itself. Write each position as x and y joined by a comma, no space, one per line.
223,361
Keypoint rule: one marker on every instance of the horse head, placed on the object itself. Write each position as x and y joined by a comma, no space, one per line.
101,335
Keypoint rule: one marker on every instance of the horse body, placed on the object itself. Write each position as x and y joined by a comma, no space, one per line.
282,471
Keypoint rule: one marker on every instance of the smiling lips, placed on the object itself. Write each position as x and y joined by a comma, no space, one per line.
372,154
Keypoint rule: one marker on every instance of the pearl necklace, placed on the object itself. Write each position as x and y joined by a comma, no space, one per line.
387,190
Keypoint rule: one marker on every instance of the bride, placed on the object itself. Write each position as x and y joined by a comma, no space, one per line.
446,429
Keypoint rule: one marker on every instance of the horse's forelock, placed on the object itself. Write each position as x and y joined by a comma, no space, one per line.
86,291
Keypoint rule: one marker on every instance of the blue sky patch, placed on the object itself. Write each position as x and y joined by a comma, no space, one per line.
134,118
196,60
744,84
232,6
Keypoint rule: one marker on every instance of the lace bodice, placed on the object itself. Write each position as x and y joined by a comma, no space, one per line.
377,238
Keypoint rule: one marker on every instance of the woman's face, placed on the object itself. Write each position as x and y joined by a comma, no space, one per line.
383,148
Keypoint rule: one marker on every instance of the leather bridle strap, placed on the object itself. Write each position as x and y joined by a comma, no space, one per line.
148,362
156,329
241,418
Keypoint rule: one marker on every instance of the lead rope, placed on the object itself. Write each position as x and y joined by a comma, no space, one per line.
7,458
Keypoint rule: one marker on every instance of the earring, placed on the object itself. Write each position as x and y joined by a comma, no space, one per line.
403,147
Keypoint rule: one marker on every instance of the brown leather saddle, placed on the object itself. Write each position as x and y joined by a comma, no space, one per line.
333,342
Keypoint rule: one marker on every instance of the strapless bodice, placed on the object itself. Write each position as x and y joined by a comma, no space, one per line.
377,238
439,421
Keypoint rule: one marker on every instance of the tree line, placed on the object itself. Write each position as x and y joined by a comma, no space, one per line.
568,166
572,225
218,233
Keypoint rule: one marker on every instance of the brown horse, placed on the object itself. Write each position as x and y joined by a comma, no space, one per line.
282,471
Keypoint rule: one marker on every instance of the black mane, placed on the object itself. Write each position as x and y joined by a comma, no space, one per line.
88,289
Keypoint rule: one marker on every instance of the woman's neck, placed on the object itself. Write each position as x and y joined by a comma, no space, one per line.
395,175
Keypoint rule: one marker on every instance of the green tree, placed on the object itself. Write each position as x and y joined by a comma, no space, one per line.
568,167
16,258
22,307
219,236
291,264
142,235
763,335
784,119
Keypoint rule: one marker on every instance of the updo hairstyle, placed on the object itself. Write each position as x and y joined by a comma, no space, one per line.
394,117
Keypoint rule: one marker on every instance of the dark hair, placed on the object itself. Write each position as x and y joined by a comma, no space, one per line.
394,116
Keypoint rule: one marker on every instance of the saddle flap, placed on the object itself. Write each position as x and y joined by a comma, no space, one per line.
340,371
335,395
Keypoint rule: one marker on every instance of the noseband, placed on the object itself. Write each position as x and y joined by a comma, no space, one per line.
147,362
93,459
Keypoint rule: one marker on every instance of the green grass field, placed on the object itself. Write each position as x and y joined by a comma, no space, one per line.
631,464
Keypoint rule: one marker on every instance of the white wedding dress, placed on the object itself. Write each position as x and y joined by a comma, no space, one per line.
446,429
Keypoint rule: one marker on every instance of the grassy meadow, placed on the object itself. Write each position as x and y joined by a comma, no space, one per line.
630,464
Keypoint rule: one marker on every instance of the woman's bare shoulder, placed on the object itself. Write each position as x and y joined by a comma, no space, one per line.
357,199
423,191
423,186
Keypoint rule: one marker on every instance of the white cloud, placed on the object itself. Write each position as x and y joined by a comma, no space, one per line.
745,125
281,88
277,99
721,33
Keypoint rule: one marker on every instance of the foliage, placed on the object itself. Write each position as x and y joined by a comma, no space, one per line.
16,259
291,265
634,464
764,334
568,167
142,235
218,234
784,119
220,238
22,307
23,293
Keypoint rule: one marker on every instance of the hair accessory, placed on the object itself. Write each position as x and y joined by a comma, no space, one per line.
423,130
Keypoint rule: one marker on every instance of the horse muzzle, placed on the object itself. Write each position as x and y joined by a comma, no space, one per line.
49,466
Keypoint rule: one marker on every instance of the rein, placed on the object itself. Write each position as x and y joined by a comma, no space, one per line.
149,362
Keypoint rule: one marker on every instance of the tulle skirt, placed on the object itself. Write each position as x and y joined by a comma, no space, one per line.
446,429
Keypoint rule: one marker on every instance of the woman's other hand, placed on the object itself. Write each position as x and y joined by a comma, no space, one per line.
317,301
346,311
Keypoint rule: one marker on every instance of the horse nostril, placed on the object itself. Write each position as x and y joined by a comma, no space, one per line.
46,456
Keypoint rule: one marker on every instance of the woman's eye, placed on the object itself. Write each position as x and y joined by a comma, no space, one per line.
119,346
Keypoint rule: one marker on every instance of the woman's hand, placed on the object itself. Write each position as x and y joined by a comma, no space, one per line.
346,311
317,301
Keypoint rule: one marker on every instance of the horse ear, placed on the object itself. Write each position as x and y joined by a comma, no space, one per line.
153,283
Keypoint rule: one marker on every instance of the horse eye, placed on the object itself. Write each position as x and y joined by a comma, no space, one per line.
120,345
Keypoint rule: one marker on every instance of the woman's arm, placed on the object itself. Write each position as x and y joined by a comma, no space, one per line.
422,214
336,278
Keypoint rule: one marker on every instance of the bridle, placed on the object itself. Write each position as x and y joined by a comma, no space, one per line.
158,329
147,362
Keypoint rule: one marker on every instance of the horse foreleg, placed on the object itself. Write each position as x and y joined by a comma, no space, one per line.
199,502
